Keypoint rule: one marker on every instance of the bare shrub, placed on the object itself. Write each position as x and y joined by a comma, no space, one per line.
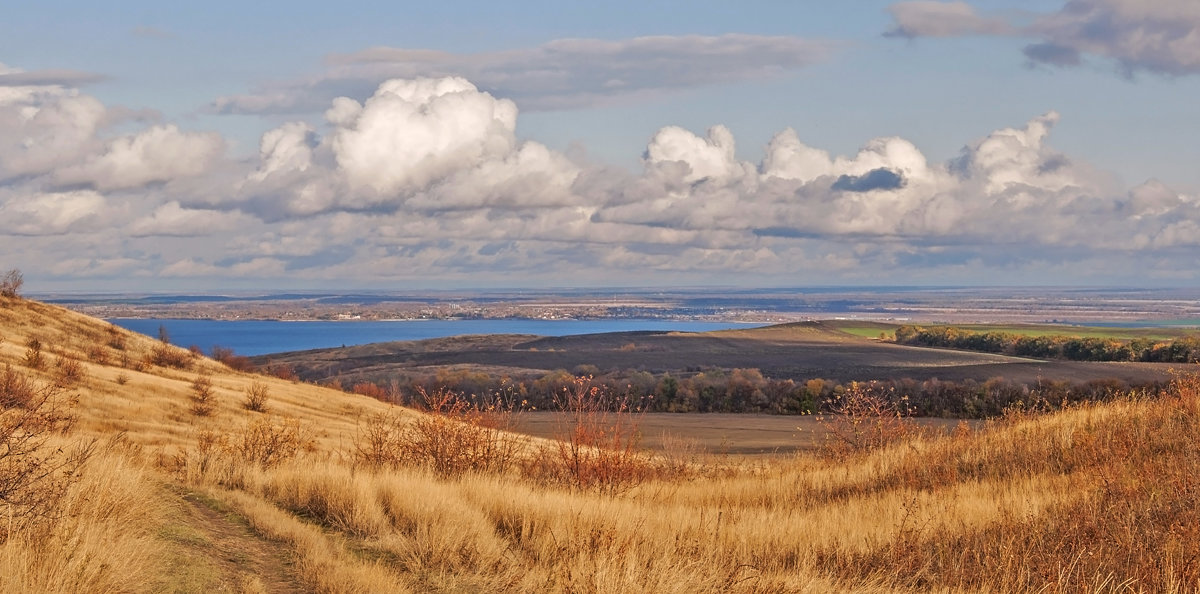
455,436
231,360
257,394
865,417
122,378
97,354
210,446
597,448
379,442
33,475
33,354
282,371
203,400
70,371
16,389
369,390
11,283
116,340
268,442
166,355
458,435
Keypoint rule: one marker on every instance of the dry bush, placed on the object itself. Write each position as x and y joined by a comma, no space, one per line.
267,442
137,364
33,474
597,448
202,397
369,390
33,354
257,394
454,436
231,360
116,340
282,371
70,371
97,354
379,442
122,378
225,458
458,436
865,417
167,355
16,389
11,283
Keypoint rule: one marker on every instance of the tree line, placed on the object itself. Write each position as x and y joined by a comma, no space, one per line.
748,391
1073,348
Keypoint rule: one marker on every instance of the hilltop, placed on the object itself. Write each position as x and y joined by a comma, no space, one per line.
142,494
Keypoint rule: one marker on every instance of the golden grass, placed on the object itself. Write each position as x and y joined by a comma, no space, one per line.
1102,498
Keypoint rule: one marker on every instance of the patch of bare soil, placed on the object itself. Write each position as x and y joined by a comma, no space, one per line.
212,549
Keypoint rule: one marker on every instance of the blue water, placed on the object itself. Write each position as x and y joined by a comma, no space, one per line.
259,337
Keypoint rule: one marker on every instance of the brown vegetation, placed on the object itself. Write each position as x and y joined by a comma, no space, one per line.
1091,498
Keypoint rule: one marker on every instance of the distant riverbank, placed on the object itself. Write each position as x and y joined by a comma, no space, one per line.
260,337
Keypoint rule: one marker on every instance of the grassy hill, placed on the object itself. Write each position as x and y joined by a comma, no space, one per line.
111,482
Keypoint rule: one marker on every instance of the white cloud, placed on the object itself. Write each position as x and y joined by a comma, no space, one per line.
45,127
158,154
788,158
710,158
427,181
171,219
411,133
51,213
423,144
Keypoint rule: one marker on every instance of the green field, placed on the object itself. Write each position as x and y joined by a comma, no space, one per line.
873,329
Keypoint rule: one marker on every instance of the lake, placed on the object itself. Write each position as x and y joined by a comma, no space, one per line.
260,337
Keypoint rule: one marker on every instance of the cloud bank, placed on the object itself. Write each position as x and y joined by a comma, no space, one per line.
1162,36
561,74
426,182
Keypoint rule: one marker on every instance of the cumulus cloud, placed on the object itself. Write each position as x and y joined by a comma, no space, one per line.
1161,36
426,180
158,154
560,74
173,220
43,127
412,132
51,213
424,144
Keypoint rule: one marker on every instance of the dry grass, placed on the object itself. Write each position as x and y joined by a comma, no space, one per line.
1098,498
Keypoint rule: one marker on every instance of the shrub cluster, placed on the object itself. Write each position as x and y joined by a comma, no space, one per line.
34,475
456,435
748,391
1073,348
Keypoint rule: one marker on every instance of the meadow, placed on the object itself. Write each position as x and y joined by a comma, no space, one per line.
130,465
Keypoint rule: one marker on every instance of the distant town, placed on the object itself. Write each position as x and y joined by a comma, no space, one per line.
958,305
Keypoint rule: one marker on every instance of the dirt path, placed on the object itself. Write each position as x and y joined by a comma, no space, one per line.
211,549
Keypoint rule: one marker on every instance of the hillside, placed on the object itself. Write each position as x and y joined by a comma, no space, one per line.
1098,498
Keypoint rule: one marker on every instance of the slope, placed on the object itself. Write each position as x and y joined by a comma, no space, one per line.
1097,498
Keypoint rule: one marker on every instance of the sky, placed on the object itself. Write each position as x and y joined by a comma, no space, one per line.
217,146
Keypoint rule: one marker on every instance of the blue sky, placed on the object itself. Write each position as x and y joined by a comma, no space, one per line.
227,145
